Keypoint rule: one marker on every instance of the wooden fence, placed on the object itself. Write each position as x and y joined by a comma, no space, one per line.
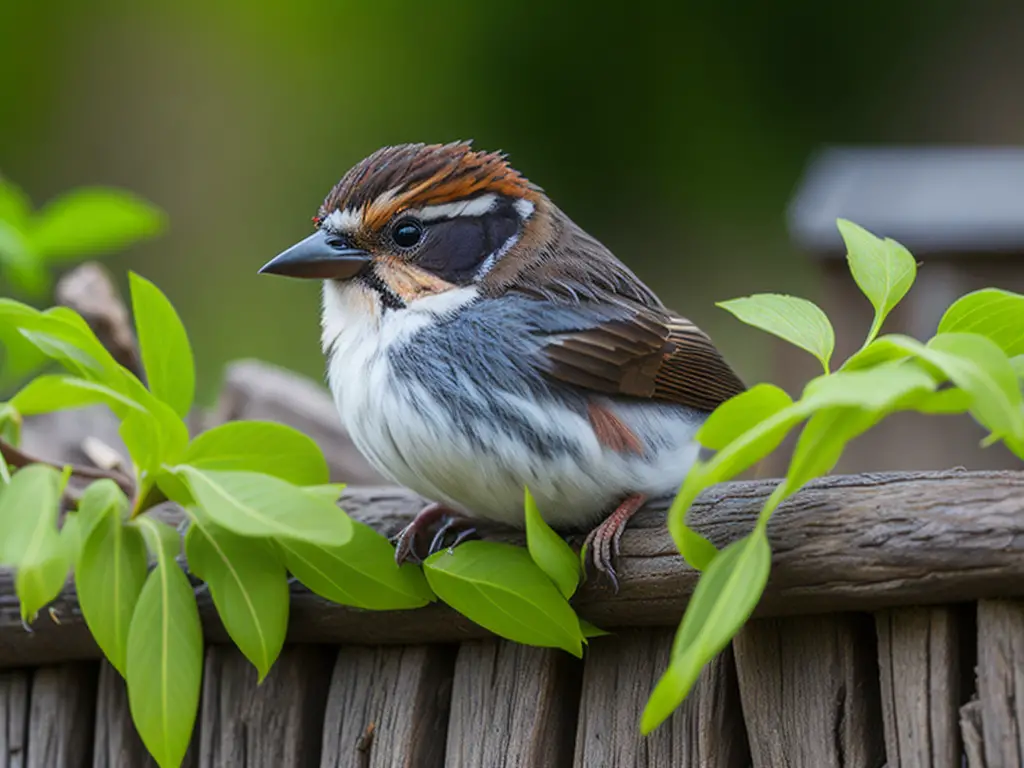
891,633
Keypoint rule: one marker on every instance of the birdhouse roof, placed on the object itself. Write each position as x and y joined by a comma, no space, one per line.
930,199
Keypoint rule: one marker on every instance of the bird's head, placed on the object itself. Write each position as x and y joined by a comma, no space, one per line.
414,220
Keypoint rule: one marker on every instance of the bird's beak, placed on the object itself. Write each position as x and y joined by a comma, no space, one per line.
322,255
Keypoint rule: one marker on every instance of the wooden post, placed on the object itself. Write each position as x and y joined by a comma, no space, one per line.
619,674
388,706
809,687
512,706
1001,680
277,724
919,663
61,715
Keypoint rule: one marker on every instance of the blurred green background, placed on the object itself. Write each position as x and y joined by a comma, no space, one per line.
675,133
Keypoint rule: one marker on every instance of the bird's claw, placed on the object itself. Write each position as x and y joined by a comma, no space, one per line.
602,543
405,539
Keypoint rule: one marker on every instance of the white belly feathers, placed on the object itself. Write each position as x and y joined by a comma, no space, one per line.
410,436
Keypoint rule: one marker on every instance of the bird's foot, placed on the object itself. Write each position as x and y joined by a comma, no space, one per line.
602,543
405,540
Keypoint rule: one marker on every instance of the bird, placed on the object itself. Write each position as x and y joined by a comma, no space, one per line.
478,341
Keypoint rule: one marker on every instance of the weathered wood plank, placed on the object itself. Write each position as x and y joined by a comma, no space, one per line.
861,542
620,671
512,706
388,707
971,731
14,704
277,724
919,666
61,716
809,687
1001,680
116,743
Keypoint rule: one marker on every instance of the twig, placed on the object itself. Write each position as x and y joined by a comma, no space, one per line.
18,458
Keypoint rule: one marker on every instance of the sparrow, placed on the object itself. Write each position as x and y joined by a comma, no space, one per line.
479,341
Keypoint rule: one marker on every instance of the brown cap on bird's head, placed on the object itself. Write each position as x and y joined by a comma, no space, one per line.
442,215
405,176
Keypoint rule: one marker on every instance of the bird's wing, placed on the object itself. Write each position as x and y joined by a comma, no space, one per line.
616,346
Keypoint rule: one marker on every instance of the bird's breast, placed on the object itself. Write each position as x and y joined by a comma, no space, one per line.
451,414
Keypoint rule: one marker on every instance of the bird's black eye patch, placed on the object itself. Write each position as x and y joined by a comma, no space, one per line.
407,233
455,249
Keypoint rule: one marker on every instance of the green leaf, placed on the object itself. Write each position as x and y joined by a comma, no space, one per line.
979,367
254,504
725,597
248,584
111,569
990,312
550,551
876,389
822,441
29,538
1017,362
56,392
62,334
259,446
500,588
741,453
883,269
22,269
15,206
738,414
155,437
798,321
41,575
952,400
328,491
589,630
92,220
163,343
27,503
71,537
729,422
162,540
20,358
362,573
165,657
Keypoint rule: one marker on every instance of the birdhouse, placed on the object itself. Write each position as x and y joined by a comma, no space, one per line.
960,211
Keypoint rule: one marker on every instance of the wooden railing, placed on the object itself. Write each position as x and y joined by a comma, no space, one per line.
890,633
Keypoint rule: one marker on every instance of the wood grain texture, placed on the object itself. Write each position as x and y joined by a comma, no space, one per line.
620,671
1001,681
388,707
919,666
277,724
858,542
809,687
512,706
14,704
971,732
61,716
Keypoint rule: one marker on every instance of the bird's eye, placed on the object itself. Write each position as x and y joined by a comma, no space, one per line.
407,234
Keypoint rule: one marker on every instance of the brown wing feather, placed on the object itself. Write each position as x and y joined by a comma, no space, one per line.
651,354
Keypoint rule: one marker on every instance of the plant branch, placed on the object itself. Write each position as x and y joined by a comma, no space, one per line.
15,457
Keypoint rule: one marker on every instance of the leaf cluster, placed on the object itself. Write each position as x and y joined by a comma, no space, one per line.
260,509
84,222
974,364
